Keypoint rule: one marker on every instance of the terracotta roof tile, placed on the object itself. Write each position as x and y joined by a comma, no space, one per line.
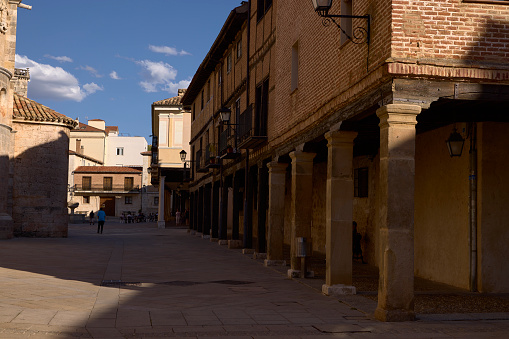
171,101
106,169
87,128
111,129
26,109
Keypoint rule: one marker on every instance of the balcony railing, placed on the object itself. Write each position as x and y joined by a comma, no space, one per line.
103,188
251,134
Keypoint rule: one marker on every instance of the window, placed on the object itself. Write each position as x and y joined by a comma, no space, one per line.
86,183
156,201
202,99
346,23
360,179
120,150
86,200
107,183
229,63
239,49
220,75
194,110
128,183
208,91
263,7
128,200
262,108
295,67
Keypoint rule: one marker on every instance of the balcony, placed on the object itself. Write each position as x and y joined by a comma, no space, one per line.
200,166
227,145
211,160
115,189
251,136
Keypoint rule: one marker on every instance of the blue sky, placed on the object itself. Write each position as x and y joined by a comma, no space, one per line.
111,59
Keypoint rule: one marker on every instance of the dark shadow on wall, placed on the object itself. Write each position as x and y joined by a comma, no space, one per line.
40,186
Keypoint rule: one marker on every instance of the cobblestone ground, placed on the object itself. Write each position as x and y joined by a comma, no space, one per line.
137,281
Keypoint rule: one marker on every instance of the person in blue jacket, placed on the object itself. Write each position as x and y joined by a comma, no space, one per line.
101,218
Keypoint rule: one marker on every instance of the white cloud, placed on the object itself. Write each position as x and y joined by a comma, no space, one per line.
167,50
92,87
115,76
59,58
48,82
92,71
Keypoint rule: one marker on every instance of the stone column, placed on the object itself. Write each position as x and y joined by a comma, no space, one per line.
160,214
261,247
339,213
199,226
235,241
396,192
214,235
207,191
276,219
301,209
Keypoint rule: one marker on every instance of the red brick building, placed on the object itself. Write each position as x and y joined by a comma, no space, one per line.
331,128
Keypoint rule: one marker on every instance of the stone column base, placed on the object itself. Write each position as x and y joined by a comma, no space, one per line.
6,227
222,242
259,255
394,315
296,274
205,236
247,251
235,244
274,262
339,289
161,224
214,239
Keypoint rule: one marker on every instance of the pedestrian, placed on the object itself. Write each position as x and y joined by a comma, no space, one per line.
101,218
177,217
91,215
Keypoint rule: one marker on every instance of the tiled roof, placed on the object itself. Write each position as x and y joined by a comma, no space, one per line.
71,152
171,101
111,129
146,153
26,109
106,169
87,128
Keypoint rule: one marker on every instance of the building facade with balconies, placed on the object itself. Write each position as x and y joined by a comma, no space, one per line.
116,189
357,124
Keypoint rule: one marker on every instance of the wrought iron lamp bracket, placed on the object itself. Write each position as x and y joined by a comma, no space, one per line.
360,35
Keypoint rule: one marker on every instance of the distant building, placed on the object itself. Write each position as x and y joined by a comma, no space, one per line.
97,149
171,131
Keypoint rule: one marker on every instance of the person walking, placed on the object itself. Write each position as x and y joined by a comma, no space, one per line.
91,215
101,218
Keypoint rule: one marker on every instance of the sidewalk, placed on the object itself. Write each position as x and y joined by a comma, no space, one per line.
138,281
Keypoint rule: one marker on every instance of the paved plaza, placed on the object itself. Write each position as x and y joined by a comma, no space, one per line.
138,281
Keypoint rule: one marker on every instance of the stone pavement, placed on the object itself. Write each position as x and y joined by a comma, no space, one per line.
138,281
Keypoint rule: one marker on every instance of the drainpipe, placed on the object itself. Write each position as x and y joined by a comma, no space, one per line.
473,207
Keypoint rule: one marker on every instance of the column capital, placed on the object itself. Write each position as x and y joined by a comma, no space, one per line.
340,137
301,156
400,114
275,166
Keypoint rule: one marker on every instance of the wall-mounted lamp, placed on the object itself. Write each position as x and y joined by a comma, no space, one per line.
183,155
455,143
225,115
360,35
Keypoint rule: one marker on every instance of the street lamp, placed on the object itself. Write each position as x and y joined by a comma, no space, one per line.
359,34
455,143
183,155
225,115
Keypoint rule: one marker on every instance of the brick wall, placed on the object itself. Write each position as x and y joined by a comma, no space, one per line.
328,71
451,30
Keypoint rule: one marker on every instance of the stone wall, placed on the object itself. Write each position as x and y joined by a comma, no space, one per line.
493,197
441,210
40,180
